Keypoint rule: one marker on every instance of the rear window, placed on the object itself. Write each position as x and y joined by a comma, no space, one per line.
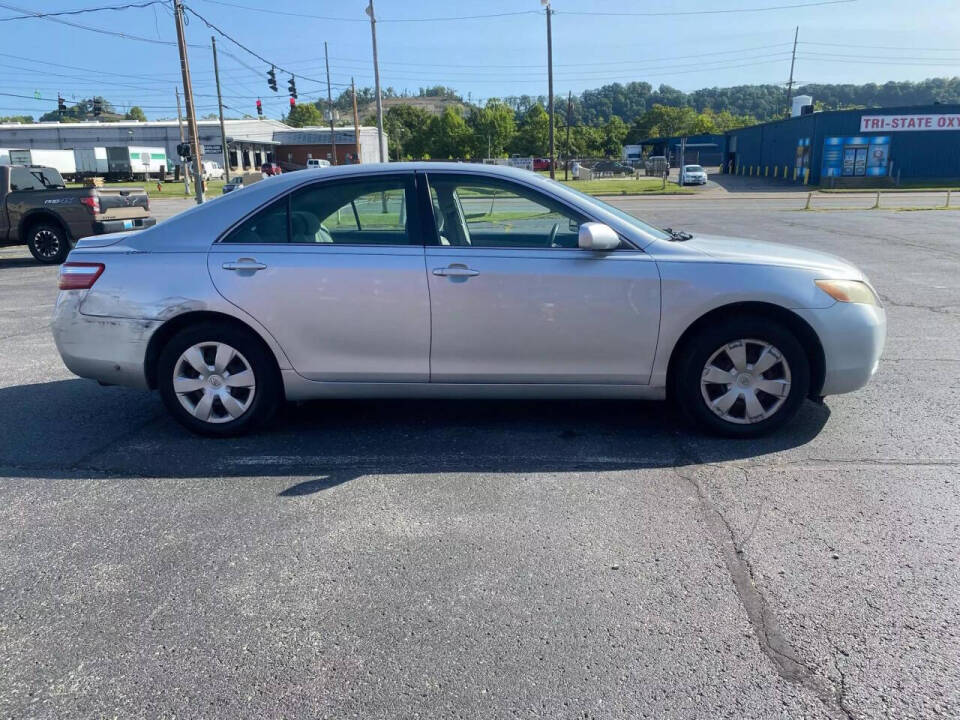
34,179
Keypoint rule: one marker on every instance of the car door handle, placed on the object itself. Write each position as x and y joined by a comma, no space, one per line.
244,264
455,271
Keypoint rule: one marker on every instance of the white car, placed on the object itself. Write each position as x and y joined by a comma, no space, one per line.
317,163
212,170
693,175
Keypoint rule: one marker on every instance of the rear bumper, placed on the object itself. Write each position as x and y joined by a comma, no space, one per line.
112,226
110,350
853,336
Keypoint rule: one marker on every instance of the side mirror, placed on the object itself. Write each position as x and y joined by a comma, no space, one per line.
597,236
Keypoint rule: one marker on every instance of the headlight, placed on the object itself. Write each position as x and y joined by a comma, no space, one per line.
850,291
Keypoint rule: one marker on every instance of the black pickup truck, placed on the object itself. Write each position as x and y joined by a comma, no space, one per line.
36,209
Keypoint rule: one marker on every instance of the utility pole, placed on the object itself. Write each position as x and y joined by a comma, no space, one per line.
376,80
566,165
793,59
186,174
356,124
223,129
333,135
188,99
550,83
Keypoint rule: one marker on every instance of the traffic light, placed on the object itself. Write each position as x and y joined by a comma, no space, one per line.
272,79
292,88
183,150
97,107
293,103
61,105
259,108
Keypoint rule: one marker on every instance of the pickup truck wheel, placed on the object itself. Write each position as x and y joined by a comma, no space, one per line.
48,243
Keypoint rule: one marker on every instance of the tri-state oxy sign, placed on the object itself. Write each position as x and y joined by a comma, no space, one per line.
901,123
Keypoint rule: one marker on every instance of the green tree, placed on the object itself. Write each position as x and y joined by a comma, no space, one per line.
449,135
664,121
614,133
493,129
408,131
17,119
83,110
304,115
135,113
533,135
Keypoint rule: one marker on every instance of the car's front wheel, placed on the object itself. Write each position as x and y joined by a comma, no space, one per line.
742,377
217,381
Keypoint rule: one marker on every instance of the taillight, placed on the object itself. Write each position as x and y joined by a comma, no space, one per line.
79,275
93,204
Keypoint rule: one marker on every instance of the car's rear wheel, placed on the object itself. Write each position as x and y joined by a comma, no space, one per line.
742,377
48,243
218,381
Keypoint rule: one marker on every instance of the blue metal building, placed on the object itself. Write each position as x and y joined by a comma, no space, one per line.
875,146
706,149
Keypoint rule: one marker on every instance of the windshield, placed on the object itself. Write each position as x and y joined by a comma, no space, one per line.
625,216
694,168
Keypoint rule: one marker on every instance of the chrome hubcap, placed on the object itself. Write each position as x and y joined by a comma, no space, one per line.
214,382
745,381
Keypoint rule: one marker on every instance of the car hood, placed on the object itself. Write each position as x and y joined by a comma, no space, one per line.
757,252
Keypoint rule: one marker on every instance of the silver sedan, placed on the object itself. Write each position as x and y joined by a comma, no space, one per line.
443,280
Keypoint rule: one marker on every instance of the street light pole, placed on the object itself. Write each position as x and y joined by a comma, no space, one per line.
223,129
333,136
188,99
550,84
376,80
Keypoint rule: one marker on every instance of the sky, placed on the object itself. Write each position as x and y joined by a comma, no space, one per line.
494,48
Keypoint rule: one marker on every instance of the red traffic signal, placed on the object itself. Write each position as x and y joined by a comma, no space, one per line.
293,102
259,107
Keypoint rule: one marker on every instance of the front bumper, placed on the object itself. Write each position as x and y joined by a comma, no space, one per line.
113,226
109,350
853,336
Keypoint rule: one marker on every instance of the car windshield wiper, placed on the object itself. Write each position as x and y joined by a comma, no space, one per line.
678,235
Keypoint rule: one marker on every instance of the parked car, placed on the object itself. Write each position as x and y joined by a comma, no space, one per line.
407,280
212,170
36,209
317,163
271,169
236,183
541,163
693,175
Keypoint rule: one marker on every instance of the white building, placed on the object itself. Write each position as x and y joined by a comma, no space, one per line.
251,142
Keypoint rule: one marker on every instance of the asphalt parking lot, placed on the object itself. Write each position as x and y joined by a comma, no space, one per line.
495,559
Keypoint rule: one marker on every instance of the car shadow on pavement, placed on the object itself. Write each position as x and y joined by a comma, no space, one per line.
77,429
14,262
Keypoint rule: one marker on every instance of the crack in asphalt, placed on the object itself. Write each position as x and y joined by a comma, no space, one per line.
773,643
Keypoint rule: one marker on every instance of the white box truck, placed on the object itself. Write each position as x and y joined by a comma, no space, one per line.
62,161
136,161
5,155
91,161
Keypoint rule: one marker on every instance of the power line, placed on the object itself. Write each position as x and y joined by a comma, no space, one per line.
101,31
81,12
672,13
252,52
881,47
271,11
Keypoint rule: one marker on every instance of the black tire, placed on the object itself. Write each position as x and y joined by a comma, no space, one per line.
698,349
268,391
48,243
